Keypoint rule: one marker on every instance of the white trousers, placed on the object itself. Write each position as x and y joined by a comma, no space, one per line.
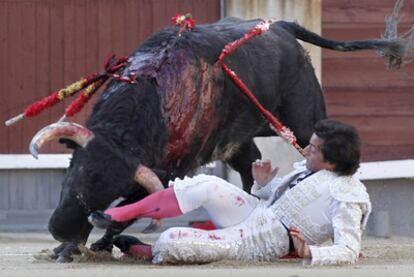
225,203
250,231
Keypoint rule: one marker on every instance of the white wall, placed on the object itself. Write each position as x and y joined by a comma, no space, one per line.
306,12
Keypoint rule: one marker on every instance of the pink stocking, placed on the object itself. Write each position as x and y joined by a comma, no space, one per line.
160,204
141,251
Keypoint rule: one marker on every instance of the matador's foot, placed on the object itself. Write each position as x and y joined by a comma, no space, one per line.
124,242
100,220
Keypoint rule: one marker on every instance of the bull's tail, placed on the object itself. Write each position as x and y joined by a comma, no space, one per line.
396,50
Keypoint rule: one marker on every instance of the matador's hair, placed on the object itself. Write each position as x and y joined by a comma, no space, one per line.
341,145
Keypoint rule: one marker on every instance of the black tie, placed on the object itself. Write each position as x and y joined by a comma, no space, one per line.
300,179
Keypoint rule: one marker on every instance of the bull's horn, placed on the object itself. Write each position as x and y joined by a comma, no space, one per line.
150,181
67,130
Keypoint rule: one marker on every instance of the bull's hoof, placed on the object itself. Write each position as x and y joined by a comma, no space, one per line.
64,259
103,244
57,250
100,220
63,253
124,242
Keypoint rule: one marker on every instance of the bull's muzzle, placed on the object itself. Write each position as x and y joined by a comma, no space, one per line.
67,130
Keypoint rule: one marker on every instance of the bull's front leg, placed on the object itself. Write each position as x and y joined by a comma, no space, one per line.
106,242
63,253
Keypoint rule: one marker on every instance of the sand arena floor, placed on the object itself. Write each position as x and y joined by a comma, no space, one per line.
19,256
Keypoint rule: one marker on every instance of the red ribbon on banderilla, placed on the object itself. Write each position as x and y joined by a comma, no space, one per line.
185,22
274,123
88,85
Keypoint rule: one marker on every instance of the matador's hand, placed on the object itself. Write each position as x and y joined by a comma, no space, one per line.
301,246
262,172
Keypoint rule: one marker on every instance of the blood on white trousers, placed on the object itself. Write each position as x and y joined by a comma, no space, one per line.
225,203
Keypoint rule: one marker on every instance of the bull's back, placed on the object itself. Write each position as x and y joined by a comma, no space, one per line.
207,116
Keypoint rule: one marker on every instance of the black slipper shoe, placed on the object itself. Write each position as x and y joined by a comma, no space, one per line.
124,242
99,219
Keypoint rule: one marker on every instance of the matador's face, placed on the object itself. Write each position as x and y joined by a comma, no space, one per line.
315,160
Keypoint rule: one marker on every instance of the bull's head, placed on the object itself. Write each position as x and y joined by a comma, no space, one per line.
98,174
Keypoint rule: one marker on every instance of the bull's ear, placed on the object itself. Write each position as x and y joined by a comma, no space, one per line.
69,143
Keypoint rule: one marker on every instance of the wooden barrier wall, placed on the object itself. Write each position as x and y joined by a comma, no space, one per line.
359,89
48,44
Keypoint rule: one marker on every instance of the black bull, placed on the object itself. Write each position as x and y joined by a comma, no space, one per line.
184,112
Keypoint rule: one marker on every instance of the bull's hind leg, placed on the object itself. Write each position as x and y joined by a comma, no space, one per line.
106,242
242,160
